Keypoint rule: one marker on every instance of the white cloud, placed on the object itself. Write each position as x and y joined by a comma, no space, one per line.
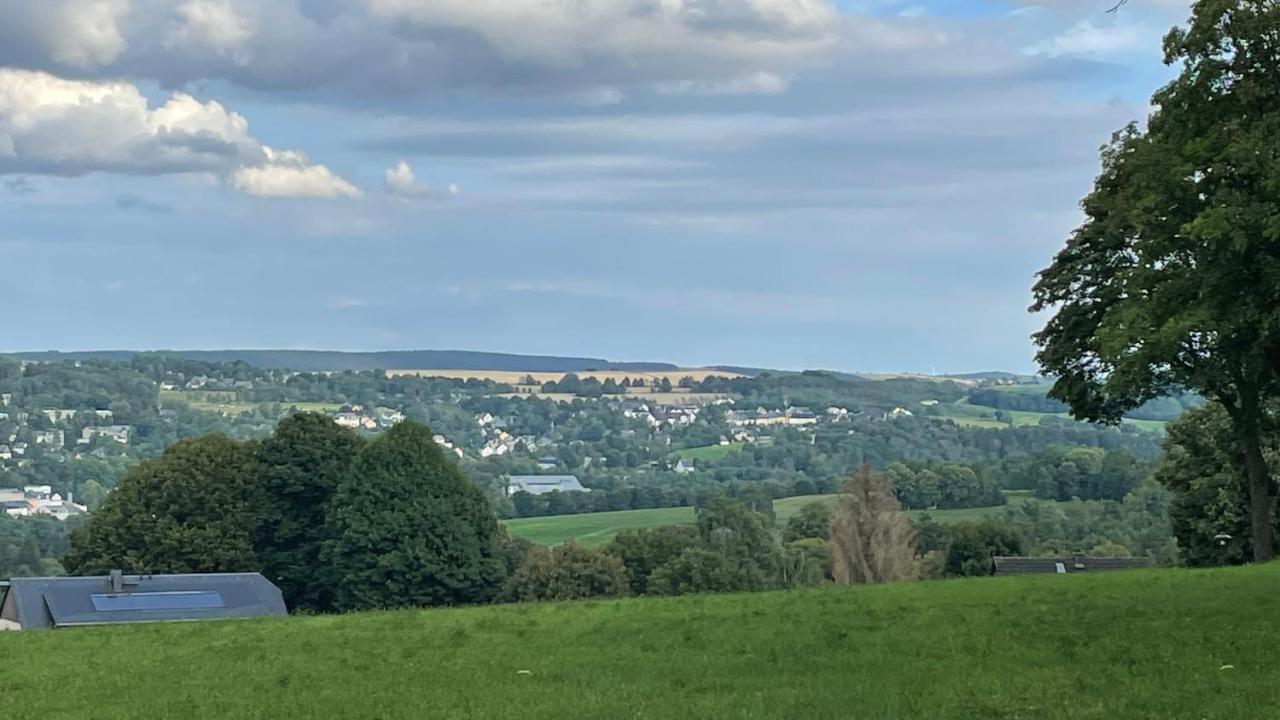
53,126
399,180
214,24
288,173
1089,39
761,83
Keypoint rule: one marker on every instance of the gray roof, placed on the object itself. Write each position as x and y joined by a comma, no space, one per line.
1074,564
40,603
543,484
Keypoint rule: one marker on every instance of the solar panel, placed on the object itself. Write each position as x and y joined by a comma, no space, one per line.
185,600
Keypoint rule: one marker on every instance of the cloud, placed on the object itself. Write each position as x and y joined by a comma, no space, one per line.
1089,39
18,186
399,180
288,173
393,48
69,33
761,83
53,126
129,201
214,24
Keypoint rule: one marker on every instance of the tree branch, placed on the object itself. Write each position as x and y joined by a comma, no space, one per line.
1118,5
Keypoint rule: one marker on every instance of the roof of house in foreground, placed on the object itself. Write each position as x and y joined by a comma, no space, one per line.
1073,564
37,603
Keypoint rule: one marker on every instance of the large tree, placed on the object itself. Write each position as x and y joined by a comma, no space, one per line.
1209,511
194,509
302,464
1173,280
410,529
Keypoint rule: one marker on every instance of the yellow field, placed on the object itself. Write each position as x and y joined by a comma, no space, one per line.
671,398
514,378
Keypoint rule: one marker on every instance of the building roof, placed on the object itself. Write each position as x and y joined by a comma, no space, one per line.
542,484
42,603
1073,564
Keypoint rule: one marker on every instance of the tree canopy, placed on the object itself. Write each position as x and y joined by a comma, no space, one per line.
1173,281
410,529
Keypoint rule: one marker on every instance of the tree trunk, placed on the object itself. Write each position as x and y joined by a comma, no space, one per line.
1261,512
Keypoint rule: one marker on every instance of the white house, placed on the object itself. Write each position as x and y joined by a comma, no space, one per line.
543,484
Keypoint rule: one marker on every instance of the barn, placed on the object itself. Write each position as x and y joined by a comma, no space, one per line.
63,602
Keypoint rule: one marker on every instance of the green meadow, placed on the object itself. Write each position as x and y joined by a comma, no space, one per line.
1154,645
596,529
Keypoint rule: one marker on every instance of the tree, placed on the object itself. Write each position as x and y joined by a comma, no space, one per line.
1173,280
743,536
567,572
301,465
871,538
974,545
642,551
410,529
1209,511
813,521
194,509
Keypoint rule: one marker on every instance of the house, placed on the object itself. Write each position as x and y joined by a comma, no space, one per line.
57,415
6,453
105,414
66,602
685,467
119,433
20,449
355,421
801,416
543,484
548,462
5,399
1064,565
52,438
899,413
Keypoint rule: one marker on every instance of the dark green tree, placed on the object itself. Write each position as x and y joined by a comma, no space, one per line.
567,572
410,529
813,521
301,465
1209,511
195,509
1173,280
642,551
974,545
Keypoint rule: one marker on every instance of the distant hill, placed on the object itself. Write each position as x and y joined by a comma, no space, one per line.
329,360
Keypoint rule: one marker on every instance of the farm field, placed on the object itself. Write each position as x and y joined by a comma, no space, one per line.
227,402
708,452
1153,644
597,529
963,413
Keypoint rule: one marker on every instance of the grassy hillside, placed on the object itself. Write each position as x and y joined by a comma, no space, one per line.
1168,644
596,529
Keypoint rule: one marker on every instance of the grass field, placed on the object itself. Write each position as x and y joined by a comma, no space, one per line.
597,529
227,402
708,452
963,413
1146,645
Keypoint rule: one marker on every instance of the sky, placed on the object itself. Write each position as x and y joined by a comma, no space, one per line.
841,184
